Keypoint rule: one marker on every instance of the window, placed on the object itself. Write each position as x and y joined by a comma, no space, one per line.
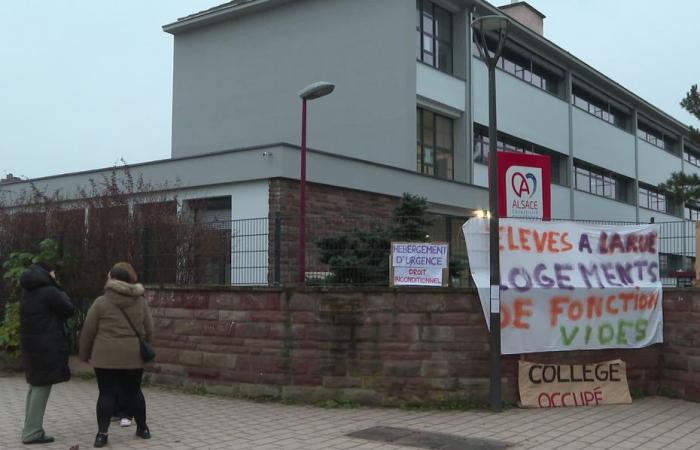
434,35
692,212
596,183
434,155
510,144
692,157
521,64
598,107
652,199
655,137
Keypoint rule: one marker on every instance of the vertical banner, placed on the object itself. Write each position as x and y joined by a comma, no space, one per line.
524,186
569,286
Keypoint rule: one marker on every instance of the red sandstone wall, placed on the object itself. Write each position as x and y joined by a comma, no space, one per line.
329,210
385,346
680,368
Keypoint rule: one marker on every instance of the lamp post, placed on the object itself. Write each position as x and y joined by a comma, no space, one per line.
310,92
497,25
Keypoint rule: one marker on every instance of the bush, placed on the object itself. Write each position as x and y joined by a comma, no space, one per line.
15,265
9,331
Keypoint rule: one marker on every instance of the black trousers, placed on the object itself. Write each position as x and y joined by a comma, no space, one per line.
120,387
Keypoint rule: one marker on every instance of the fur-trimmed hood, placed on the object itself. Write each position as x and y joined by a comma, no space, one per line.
126,293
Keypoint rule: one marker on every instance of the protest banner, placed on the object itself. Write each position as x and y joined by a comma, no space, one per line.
419,263
570,286
554,386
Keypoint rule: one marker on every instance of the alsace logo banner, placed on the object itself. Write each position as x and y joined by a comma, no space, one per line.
525,186
569,286
557,385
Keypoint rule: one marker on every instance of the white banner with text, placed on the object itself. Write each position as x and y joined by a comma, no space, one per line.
570,286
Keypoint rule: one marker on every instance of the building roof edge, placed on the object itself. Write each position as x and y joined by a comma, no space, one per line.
491,9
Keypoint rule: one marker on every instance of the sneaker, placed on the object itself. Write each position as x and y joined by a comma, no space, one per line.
125,422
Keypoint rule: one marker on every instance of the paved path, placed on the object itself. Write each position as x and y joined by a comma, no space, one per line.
183,421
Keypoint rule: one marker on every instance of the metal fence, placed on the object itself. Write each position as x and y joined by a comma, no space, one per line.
344,250
340,250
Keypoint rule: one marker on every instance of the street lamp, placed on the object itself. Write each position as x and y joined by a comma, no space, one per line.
310,92
497,25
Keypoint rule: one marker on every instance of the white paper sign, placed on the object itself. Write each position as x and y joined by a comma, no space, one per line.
419,263
569,286
412,254
417,276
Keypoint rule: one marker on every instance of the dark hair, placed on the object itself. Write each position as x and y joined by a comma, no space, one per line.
123,271
47,266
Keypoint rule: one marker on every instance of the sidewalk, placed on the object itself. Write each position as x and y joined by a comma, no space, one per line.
184,421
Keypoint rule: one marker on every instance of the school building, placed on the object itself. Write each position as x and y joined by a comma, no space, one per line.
409,114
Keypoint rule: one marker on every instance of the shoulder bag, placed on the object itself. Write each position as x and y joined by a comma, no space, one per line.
147,352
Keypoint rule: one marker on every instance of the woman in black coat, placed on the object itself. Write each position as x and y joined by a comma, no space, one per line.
44,309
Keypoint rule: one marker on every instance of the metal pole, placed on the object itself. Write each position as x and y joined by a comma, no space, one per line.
495,279
302,199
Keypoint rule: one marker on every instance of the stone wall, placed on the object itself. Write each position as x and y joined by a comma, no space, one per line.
329,211
680,365
376,346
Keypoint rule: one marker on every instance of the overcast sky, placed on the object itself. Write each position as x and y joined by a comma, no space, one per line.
85,83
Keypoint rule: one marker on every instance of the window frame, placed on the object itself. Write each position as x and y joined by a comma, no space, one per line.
606,181
657,138
511,144
691,157
436,41
654,198
599,108
691,212
524,73
435,148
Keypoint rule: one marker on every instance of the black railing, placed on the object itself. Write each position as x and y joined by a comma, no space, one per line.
340,250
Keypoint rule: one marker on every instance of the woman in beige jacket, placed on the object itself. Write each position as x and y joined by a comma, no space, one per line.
109,343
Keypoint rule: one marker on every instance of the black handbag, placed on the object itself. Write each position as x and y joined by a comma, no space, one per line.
147,352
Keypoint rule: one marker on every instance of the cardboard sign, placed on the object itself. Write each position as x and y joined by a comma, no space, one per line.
419,263
554,385
524,184
569,286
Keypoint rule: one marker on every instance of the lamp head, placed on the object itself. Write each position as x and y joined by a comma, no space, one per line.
316,90
491,23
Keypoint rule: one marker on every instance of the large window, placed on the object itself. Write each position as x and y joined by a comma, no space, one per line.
655,137
434,154
525,66
434,35
652,199
600,108
508,143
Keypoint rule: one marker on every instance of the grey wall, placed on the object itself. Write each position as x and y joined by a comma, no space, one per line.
655,164
592,207
236,83
603,144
